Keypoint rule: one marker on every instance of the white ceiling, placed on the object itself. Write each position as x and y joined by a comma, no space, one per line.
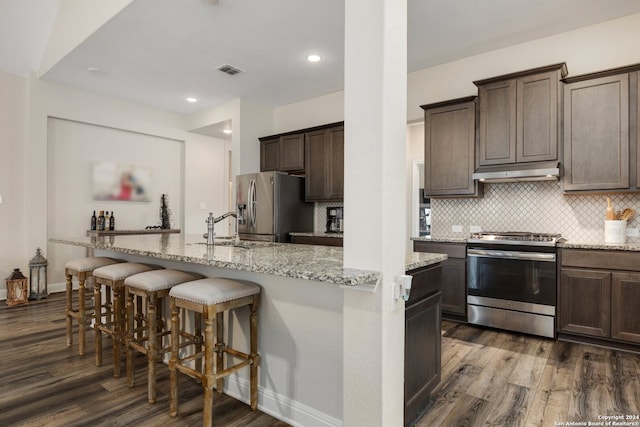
158,52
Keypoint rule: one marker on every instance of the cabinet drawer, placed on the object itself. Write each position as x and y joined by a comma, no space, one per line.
608,260
426,281
453,250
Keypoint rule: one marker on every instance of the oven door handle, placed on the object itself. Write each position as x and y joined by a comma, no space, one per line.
525,256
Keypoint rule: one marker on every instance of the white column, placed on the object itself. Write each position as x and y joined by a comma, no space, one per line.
375,208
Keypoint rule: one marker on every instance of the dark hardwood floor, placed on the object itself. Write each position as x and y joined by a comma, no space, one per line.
494,378
489,378
44,383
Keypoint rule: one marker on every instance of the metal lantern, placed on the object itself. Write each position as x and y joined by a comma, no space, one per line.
17,288
38,276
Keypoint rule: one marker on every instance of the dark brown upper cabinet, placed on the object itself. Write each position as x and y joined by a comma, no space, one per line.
282,153
269,154
324,163
519,116
449,149
291,153
600,132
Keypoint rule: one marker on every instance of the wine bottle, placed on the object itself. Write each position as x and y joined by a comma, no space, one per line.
94,221
106,221
101,221
112,222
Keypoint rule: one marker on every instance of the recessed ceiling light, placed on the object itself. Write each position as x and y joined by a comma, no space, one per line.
313,58
227,131
191,99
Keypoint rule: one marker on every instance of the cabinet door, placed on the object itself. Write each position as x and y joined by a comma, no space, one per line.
269,153
335,184
625,304
324,165
596,134
537,117
422,361
291,153
454,286
497,141
585,302
450,150
315,165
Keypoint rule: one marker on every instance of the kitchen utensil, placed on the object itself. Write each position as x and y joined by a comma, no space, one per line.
610,214
627,214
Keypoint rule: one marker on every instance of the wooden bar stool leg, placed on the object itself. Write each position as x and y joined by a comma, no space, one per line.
82,319
209,376
69,309
117,329
97,296
255,359
130,354
173,373
152,349
198,334
220,350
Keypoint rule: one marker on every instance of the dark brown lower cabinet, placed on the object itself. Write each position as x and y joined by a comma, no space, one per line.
454,276
625,306
585,301
317,240
422,346
599,296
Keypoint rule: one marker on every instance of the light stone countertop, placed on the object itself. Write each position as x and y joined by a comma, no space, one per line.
632,247
440,239
308,262
317,234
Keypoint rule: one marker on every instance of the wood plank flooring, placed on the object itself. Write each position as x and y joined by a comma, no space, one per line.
494,378
489,378
43,383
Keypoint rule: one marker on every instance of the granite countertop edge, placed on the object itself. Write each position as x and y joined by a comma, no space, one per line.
316,234
324,264
440,239
629,247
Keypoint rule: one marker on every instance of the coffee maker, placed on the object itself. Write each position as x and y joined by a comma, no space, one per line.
335,219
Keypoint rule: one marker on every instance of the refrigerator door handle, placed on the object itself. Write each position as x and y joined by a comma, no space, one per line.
251,198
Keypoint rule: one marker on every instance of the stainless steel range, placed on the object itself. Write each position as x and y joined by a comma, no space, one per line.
511,281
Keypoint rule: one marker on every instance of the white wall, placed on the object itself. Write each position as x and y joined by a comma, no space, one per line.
200,181
13,176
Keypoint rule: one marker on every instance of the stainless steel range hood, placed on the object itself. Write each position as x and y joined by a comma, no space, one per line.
539,171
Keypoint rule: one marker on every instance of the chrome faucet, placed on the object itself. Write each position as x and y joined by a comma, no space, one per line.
211,221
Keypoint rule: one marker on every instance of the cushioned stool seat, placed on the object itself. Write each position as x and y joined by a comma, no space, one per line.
82,269
150,287
211,297
110,314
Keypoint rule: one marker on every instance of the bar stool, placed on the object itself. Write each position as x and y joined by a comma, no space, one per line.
151,288
81,268
112,309
211,297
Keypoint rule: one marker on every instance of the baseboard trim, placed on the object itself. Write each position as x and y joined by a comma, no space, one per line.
279,406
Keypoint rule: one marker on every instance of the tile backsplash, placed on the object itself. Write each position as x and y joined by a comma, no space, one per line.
530,206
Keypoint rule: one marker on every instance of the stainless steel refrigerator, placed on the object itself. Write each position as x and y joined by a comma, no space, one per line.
271,205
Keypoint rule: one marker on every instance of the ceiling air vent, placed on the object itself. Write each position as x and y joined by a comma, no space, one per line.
229,69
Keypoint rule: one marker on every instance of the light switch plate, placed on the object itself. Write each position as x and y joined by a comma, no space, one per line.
0,199
475,228
456,228
633,232
203,206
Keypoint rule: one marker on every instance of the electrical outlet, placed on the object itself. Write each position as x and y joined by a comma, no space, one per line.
475,229
633,232
456,229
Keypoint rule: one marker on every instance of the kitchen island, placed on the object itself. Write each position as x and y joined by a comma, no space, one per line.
301,326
